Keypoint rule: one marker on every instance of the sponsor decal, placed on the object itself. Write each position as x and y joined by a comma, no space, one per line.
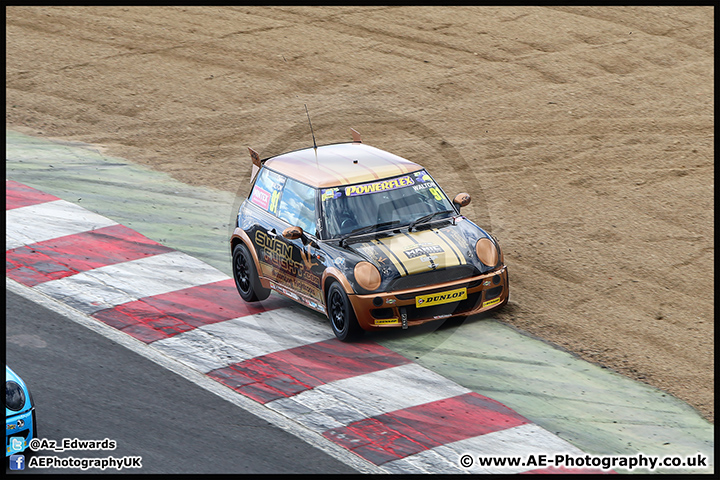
273,245
313,305
440,298
260,197
432,188
284,291
423,181
423,249
422,176
387,321
382,186
278,254
330,193
491,302
487,283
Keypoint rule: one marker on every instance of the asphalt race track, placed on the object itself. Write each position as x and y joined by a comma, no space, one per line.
89,387
380,405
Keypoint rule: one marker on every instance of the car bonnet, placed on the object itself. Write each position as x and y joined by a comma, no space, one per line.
407,253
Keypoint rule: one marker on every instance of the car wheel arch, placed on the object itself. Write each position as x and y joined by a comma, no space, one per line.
332,274
239,236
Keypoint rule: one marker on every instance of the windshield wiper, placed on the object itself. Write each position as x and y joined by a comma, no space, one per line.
427,218
367,229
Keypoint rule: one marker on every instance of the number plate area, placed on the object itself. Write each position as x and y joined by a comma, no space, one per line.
441,297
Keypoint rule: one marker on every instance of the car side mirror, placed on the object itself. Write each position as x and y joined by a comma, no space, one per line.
462,199
293,233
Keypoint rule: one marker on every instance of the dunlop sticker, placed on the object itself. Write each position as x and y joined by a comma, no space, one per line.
491,302
386,321
442,297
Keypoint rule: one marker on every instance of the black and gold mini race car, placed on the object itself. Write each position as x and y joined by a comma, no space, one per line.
364,236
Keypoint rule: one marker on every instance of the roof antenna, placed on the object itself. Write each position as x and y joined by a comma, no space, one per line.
311,129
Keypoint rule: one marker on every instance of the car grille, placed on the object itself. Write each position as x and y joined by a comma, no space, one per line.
492,293
433,277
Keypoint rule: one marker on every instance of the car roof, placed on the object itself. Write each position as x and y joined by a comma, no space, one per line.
340,164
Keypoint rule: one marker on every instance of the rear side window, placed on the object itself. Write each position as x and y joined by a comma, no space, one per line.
266,192
297,206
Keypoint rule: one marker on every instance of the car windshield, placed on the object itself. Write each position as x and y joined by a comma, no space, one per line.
393,201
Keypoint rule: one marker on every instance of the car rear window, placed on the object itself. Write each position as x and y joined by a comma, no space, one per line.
266,192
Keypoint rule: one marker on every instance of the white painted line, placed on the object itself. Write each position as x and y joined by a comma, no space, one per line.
196,377
224,343
337,404
45,221
113,285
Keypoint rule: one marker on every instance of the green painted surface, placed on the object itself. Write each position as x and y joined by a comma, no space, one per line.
193,220
595,409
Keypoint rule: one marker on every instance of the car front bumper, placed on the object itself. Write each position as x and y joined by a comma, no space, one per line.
401,308
19,431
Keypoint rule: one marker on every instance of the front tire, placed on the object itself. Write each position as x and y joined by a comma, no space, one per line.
342,316
246,277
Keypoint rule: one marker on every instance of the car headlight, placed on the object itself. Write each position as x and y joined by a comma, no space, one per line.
367,276
486,252
14,396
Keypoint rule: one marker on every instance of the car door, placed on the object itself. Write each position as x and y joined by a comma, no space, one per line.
298,208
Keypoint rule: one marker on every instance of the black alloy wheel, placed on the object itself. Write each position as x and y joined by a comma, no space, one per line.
246,277
342,316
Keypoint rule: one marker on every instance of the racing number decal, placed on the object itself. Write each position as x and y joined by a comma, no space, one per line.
274,199
436,194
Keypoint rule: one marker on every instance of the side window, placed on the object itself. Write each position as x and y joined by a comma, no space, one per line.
266,192
297,206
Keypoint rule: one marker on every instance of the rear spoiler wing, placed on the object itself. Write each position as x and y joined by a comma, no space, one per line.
256,163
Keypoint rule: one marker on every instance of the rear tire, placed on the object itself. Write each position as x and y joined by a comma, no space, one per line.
246,277
342,316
